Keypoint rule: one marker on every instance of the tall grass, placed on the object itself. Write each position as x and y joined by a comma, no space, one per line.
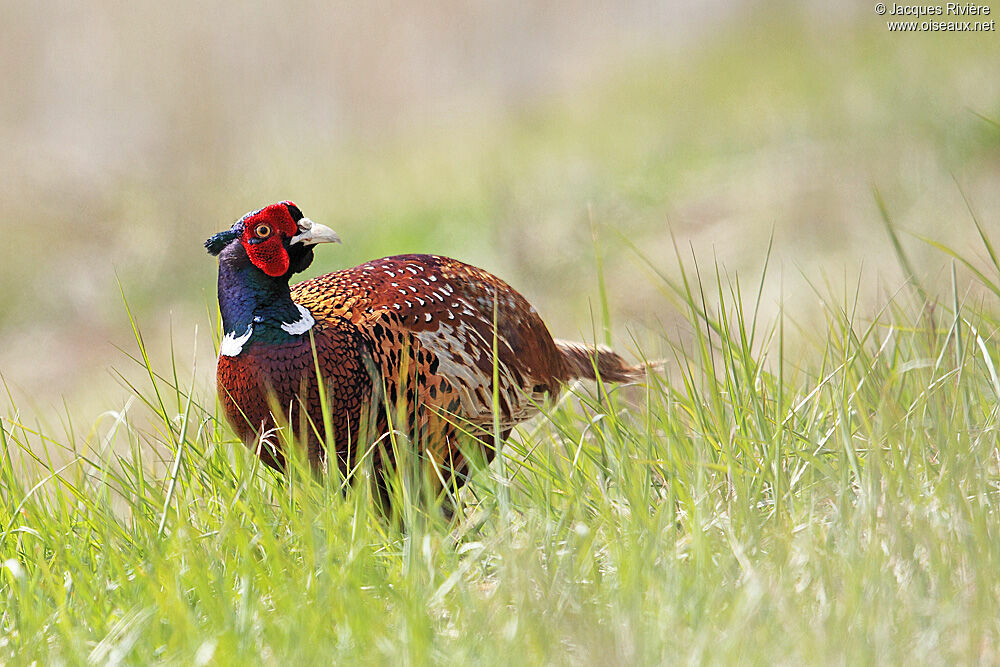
774,495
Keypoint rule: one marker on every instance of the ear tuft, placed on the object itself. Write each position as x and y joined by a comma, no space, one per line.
217,243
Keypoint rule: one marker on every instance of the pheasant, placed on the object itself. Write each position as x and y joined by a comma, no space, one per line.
407,338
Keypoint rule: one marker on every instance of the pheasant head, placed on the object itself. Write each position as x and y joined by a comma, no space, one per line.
277,239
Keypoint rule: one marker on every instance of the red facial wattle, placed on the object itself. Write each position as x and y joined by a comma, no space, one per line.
264,235
269,256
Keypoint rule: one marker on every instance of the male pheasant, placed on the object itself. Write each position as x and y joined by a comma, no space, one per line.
408,337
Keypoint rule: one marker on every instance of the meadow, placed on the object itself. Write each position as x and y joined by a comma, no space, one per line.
806,236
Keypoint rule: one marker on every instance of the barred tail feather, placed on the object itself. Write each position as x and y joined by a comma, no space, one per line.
579,360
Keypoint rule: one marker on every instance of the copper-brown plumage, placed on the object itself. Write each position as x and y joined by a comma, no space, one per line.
408,337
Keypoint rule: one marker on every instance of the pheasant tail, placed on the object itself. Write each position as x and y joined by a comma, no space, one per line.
583,360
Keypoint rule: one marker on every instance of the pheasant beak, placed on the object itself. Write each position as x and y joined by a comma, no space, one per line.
311,233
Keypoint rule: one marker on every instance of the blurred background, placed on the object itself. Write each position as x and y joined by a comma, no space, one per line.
509,135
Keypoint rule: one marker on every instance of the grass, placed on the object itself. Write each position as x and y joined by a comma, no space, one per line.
831,500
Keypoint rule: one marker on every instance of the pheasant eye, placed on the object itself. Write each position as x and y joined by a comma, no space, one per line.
262,231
